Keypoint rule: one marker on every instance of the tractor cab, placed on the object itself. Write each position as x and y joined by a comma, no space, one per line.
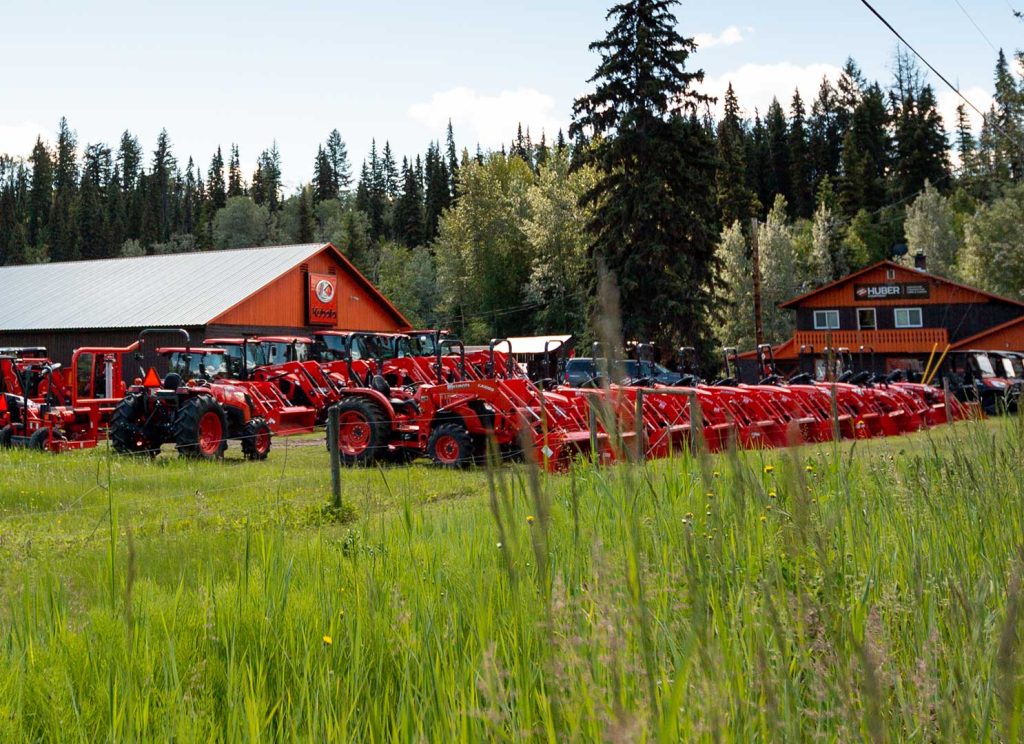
241,355
976,377
1009,364
339,346
282,349
206,363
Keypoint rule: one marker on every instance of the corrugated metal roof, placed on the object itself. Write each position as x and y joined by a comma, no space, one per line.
180,289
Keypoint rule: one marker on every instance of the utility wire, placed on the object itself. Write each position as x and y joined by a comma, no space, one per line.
917,54
983,34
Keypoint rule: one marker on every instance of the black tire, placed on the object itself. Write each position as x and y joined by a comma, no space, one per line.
364,431
256,439
39,439
451,446
127,434
201,428
6,433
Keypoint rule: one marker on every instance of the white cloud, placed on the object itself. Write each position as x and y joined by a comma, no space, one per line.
18,139
728,37
490,119
948,101
756,85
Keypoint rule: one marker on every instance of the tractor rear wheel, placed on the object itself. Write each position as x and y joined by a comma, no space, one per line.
256,440
450,446
200,429
6,434
363,431
127,434
39,439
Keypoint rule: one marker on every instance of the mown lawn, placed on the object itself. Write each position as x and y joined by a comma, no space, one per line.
834,593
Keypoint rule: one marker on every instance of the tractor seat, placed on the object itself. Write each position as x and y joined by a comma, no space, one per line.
378,383
171,382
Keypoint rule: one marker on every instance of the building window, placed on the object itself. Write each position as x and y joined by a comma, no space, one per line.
826,320
866,319
909,317
890,274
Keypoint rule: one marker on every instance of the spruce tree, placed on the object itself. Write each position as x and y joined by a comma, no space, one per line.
90,209
760,178
542,151
801,171
236,184
734,197
438,195
1009,120
216,188
162,177
306,229
65,183
780,167
337,156
193,198
324,182
389,173
40,198
653,223
453,161
409,227
866,150
825,133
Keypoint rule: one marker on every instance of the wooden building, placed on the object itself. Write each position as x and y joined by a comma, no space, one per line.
901,314
274,290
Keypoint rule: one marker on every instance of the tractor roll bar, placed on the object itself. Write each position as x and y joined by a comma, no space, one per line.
559,344
148,331
490,351
731,356
450,343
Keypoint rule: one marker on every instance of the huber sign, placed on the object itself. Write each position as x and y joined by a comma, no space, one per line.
913,291
322,300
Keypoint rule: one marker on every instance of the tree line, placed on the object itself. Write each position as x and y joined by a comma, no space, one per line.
648,188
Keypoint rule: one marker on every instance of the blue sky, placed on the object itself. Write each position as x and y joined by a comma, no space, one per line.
220,71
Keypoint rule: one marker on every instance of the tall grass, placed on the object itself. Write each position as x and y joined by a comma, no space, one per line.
870,591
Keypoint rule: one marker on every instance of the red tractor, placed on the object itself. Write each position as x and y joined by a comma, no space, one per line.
30,414
198,407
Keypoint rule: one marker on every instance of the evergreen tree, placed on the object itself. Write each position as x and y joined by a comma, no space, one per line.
438,195
453,161
389,173
543,152
90,210
161,181
654,223
849,89
520,147
560,143
306,229
779,164
801,168
116,213
337,156
759,175
236,185
193,196
865,160
324,182
1009,109
266,180
65,182
40,198
735,199
216,188
409,227
825,133
921,149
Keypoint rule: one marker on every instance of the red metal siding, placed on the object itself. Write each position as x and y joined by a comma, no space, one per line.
282,303
940,293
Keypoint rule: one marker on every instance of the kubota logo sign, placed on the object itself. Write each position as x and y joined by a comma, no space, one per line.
322,300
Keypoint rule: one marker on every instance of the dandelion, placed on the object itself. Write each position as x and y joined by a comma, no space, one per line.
529,519
763,519
769,469
772,494
327,640
716,474
809,468
769,507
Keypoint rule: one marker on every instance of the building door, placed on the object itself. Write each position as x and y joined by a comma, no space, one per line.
866,319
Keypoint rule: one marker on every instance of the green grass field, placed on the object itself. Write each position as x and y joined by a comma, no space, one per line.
829,593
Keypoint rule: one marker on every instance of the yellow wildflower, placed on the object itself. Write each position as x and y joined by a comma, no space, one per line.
769,469
327,640
529,519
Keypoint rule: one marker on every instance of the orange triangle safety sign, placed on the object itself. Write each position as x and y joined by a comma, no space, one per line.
151,380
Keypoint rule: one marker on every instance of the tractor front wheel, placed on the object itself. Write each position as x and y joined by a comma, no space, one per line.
363,431
450,446
6,434
256,440
200,429
127,434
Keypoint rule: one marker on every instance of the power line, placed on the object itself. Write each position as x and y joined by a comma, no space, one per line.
983,34
917,54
